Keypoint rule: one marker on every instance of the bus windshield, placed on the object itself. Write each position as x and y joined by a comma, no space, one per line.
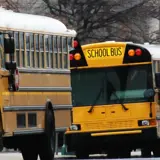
128,83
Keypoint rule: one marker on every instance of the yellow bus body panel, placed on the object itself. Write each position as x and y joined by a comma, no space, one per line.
33,99
112,117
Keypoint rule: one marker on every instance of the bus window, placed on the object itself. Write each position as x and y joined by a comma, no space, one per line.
61,52
65,53
50,39
47,51
17,47
59,48
28,49
70,40
22,57
55,51
2,52
16,37
32,49
37,50
41,41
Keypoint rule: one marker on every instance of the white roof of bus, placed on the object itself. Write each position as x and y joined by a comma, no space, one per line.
154,50
34,23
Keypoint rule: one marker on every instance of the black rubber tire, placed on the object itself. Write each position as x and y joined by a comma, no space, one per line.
111,154
47,143
1,143
156,152
125,154
81,154
29,153
145,153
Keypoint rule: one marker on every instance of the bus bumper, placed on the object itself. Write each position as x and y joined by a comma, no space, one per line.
101,140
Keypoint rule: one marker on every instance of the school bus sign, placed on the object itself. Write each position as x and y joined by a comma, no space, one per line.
108,55
104,52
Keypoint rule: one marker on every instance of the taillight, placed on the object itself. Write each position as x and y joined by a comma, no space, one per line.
75,43
131,52
71,57
76,57
137,52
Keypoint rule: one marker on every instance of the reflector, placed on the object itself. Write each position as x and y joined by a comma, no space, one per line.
131,52
77,56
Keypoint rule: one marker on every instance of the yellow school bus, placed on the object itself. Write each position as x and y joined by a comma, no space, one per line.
115,105
35,87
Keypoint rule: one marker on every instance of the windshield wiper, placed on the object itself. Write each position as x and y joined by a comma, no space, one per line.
92,106
123,106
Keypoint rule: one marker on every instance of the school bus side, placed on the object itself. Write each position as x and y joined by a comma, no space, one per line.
41,104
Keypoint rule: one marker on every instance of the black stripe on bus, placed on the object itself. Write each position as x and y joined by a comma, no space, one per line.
34,108
44,71
45,89
36,130
145,57
28,131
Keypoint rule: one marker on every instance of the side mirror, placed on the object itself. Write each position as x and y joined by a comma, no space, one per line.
9,46
149,93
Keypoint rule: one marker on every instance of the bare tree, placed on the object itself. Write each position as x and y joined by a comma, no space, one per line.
123,20
25,6
104,19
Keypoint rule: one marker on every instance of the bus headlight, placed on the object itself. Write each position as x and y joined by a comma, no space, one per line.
73,127
145,123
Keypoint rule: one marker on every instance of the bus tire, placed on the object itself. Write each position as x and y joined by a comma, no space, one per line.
81,154
125,153
81,151
1,143
145,152
112,154
47,146
29,153
156,152
28,147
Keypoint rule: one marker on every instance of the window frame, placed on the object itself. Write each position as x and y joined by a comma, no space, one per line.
55,50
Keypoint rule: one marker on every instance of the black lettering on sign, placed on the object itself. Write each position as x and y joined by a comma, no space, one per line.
89,53
105,52
119,52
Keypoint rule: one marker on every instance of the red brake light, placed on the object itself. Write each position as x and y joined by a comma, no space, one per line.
75,43
71,57
138,52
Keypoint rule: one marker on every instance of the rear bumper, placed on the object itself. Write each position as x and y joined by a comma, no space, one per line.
133,138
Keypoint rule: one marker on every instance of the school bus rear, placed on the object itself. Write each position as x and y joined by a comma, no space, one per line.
113,99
